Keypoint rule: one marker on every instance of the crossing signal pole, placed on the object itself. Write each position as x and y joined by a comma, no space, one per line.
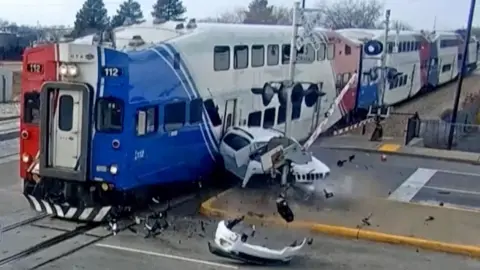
461,75
298,41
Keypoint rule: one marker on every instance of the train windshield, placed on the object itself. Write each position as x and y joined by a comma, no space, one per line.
109,115
31,109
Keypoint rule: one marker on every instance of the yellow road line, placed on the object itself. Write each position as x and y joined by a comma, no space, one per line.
389,147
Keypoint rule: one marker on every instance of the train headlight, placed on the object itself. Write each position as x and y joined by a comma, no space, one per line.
114,169
69,70
63,69
72,70
25,158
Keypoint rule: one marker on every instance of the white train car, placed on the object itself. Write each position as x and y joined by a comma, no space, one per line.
239,68
447,45
404,50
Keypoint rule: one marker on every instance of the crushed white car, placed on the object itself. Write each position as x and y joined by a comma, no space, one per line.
229,244
248,151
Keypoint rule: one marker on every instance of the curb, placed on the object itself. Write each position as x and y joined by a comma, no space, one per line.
207,209
399,153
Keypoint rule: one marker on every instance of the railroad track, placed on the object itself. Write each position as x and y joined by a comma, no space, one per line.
126,223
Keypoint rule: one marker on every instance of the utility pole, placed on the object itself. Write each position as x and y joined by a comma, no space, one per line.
291,76
382,87
460,76
303,3
298,41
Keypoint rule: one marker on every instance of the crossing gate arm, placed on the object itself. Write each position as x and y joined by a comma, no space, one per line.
320,128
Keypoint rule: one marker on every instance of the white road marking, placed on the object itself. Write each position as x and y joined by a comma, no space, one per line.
168,256
453,190
408,189
460,173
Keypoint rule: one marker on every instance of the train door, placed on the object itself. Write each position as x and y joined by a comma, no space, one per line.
412,80
229,115
66,128
65,118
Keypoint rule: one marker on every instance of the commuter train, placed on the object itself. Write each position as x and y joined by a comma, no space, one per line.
111,120
101,126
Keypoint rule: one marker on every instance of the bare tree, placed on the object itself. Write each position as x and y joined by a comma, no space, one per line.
400,25
351,14
236,15
283,15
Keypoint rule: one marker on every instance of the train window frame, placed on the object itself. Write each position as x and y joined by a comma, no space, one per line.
195,111
216,53
31,108
99,111
269,117
270,56
168,125
308,53
236,56
65,113
286,49
149,112
323,49
331,51
258,53
257,116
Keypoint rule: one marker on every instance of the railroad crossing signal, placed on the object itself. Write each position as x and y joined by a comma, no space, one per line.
308,36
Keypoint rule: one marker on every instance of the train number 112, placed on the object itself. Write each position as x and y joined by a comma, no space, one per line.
112,72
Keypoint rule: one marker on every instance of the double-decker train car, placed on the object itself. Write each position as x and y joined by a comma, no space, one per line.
415,61
149,109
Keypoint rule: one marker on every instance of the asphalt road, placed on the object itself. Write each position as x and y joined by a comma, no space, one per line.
404,178
183,246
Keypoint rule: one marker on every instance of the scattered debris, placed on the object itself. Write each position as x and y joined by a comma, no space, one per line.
383,157
341,162
366,220
229,244
442,192
429,218
441,204
284,209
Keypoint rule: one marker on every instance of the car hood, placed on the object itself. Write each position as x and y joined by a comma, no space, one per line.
313,166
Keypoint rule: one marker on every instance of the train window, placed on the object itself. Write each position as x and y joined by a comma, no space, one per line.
146,121
236,142
346,77
255,119
282,112
221,58
174,115
273,55
258,56
338,81
240,57
331,51
65,113
321,52
31,109
405,79
390,47
348,50
296,110
269,117
285,54
212,112
109,115
446,68
306,54
196,110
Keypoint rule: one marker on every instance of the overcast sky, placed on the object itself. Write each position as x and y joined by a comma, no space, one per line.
418,13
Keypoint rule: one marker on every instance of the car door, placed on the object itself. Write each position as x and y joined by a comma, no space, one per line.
235,151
